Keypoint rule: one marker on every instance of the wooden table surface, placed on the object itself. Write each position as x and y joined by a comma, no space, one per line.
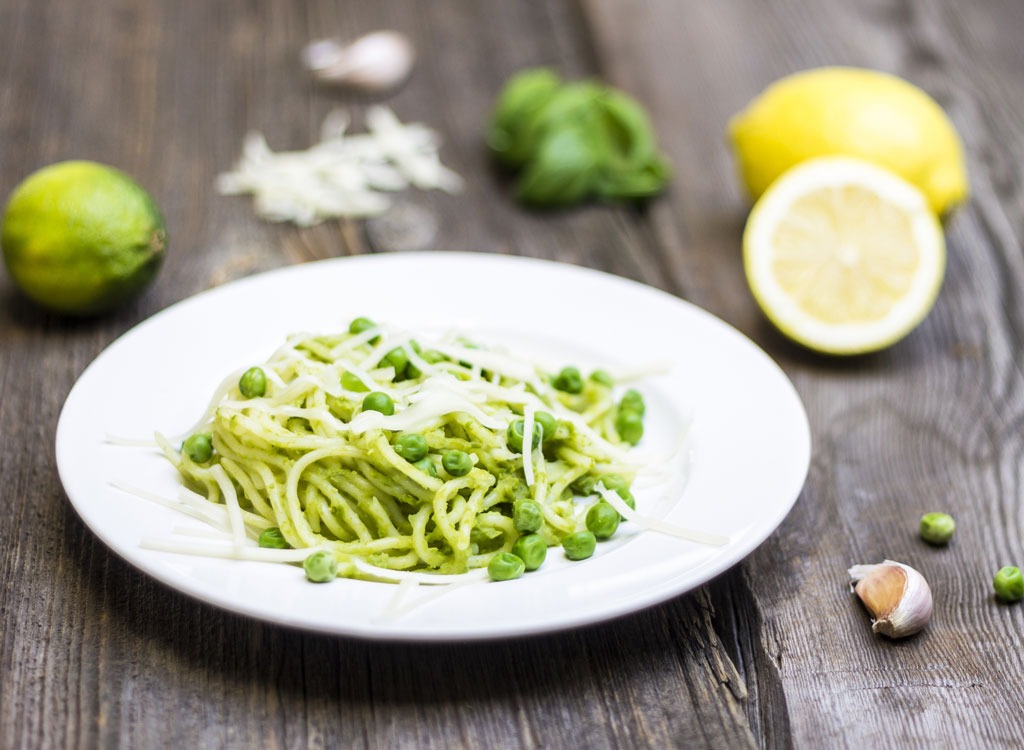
774,653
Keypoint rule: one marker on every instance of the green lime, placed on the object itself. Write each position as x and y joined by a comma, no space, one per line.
81,238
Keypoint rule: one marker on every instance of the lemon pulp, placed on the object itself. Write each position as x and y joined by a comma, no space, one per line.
843,256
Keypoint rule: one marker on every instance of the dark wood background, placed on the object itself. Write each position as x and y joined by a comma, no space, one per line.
774,653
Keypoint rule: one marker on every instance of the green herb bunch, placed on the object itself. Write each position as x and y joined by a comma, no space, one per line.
570,142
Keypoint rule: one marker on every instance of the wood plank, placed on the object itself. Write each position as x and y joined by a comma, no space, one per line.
929,424
96,654
93,653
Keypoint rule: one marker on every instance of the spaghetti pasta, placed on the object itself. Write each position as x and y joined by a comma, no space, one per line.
315,455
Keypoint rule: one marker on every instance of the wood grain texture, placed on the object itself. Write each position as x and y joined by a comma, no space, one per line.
774,653
95,654
930,424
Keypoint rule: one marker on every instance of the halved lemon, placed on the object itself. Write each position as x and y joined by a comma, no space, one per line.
843,256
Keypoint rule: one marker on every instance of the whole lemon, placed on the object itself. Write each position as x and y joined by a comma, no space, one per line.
855,112
80,238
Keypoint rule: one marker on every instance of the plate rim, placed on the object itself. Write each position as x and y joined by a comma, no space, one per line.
705,570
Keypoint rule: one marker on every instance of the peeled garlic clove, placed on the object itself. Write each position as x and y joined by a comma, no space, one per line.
896,595
376,61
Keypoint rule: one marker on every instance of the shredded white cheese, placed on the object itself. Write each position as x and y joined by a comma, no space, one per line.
528,412
226,551
231,502
656,524
343,175
397,608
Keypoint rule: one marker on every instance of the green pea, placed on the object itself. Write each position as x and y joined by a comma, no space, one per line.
272,538
363,324
411,446
199,447
351,382
514,435
253,383
378,401
1009,584
568,380
426,465
547,423
432,357
633,400
602,519
321,567
531,549
527,516
630,425
505,566
580,545
583,485
412,371
398,359
457,463
602,377
618,484
620,487
937,528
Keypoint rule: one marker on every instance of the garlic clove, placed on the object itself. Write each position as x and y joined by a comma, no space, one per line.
897,596
377,61
322,54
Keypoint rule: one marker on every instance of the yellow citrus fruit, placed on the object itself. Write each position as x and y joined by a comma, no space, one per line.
80,237
843,256
851,112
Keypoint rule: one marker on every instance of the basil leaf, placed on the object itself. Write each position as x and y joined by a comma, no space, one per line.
571,106
632,169
574,141
629,129
634,182
521,99
564,170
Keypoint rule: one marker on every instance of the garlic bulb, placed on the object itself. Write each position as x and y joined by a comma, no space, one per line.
896,595
377,61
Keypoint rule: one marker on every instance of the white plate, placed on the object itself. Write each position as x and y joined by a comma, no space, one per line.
748,457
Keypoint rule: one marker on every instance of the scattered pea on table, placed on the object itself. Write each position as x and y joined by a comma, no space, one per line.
1009,584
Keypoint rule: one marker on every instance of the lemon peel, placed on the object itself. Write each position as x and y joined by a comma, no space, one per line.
840,111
